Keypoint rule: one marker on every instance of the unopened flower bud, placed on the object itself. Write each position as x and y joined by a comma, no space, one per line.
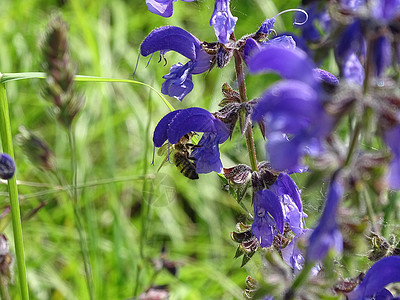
248,244
239,174
230,95
7,166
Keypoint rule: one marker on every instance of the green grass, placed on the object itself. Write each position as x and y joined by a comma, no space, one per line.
130,210
113,134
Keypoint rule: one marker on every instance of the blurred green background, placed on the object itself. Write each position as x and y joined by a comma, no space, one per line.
192,219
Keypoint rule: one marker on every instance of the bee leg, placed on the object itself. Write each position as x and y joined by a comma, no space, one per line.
193,145
169,152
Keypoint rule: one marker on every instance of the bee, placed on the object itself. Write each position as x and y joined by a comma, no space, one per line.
180,153
185,165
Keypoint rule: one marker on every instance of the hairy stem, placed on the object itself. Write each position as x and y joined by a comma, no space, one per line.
6,139
243,98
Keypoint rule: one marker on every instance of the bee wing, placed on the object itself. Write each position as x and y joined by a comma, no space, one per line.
163,163
163,150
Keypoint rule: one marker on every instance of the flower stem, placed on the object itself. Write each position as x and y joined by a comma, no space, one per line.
360,118
78,219
300,279
6,77
5,295
353,143
6,138
147,194
370,211
389,211
243,98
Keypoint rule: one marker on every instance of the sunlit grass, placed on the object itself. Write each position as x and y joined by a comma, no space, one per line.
194,223
130,210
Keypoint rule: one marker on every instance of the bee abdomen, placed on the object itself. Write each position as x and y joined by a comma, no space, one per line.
185,166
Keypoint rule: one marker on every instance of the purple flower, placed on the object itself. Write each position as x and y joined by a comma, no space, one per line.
326,235
383,272
180,122
178,82
317,19
258,41
381,54
325,77
353,71
251,46
162,8
300,42
274,207
384,11
353,40
352,4
292,107
223,21
268,217
284,41
292,255
7,166
392,138
287,191
289,195
171,38
288,63
207,155
268,25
